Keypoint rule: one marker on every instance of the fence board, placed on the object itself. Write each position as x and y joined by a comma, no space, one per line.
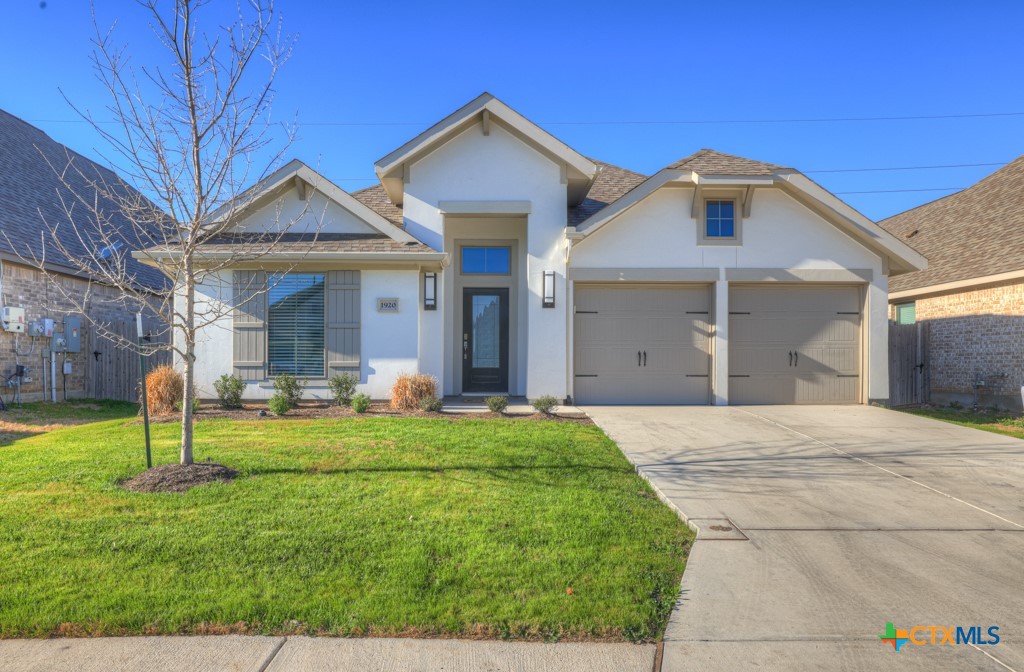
114,373
909,378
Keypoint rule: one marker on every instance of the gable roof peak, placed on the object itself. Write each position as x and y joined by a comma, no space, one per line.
712,162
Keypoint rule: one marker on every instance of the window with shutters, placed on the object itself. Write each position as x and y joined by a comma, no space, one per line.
295,324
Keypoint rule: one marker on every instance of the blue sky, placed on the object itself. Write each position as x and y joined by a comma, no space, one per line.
388,70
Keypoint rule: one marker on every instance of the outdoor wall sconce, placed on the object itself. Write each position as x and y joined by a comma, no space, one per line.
430,291
549,289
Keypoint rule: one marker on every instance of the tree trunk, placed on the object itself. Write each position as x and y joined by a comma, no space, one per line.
189,367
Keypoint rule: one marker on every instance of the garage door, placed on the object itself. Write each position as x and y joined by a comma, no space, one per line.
641,344
794,345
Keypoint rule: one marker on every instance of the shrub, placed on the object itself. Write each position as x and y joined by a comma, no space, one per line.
289,387
955,405
360,403
410,389
195,405
497,404
280,404
431,405
343,387
229,390
545,404
164,389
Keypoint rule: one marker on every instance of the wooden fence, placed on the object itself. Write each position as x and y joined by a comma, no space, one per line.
909,378
114,372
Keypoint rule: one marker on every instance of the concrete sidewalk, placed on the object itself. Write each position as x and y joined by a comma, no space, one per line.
318,654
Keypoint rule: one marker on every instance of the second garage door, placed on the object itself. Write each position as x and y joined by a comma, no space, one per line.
641,344
794,345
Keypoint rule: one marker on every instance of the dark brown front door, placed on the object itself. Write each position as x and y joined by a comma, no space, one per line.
485,340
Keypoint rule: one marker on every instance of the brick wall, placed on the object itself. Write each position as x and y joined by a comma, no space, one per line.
977,335
26,287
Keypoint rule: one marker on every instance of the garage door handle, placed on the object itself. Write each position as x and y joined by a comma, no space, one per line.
645,358
638,358
796,358
791,358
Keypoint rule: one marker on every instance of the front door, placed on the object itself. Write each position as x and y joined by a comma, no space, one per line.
485,340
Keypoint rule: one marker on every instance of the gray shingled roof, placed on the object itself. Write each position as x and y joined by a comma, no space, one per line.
970,234
30,197
304,243
710,162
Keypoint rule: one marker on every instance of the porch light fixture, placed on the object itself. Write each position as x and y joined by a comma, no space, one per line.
430,291
549,289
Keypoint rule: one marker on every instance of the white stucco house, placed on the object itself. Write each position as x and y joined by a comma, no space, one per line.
502,261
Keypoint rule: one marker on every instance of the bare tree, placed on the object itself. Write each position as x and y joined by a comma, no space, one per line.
185,133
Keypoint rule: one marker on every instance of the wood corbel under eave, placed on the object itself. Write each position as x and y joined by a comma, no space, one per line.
486,121
748,200
695,206
302,188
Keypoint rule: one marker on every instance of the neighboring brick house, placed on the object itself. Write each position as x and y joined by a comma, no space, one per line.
972,293
31,199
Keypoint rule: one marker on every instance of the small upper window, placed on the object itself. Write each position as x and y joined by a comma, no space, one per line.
906,313
486,261
720,219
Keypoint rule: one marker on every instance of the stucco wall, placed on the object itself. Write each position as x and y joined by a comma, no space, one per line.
497,167
780,233
976,335
295,215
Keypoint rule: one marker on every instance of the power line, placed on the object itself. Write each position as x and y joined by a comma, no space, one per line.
640,122
866,170
899,191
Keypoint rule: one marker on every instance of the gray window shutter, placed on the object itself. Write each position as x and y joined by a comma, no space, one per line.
249,347
343,335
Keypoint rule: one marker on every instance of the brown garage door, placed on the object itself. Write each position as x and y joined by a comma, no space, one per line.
641,344
794,345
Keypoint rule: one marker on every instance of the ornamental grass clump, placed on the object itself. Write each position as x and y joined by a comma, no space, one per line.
165,389
410,389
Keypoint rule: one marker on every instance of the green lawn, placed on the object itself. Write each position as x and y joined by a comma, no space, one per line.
349,527
998,422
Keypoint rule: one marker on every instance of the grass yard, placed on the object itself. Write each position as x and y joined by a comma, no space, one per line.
375,526
998,422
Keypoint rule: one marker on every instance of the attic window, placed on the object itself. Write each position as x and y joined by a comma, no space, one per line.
720,220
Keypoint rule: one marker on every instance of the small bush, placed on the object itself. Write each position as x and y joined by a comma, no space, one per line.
410,389
229,390
343,387
431,405
165,389
360,403
279,404
195,405
497,404
545,404
955,405
289,387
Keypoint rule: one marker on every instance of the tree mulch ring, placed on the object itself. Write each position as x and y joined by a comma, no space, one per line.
179,478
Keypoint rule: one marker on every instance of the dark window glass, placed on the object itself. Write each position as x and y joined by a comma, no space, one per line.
720,219
486,261
295,324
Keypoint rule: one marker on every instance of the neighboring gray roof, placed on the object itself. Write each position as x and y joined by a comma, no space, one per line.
256,243
30,200
970,234
710,162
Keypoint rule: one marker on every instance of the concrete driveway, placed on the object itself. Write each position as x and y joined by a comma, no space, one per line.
845,518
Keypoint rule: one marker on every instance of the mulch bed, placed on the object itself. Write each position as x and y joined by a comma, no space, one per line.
310,410
179,478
